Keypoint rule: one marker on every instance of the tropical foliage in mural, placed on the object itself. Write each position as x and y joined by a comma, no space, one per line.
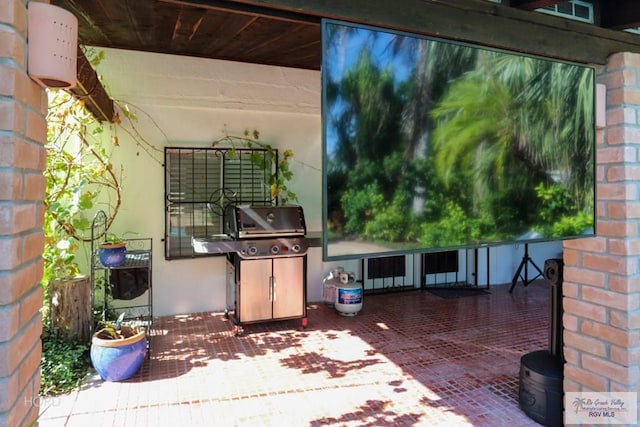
431,144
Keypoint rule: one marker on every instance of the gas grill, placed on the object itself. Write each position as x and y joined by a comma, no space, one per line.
266,249
267,231
254,232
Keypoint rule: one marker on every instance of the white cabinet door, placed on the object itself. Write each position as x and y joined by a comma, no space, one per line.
288,287
254,290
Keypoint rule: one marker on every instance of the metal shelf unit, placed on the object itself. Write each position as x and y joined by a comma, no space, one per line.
128,285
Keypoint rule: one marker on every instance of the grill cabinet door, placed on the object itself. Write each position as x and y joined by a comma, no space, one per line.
254,299
288,283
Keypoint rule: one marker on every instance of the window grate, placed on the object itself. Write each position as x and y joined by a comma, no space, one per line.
201,182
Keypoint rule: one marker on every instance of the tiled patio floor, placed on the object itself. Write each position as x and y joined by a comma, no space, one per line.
408,359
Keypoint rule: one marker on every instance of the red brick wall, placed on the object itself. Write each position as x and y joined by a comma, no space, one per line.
22,156
602,274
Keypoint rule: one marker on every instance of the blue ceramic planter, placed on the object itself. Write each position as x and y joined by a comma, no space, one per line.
118,360
112,256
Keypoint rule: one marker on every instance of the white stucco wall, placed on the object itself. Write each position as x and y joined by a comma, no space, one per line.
185,101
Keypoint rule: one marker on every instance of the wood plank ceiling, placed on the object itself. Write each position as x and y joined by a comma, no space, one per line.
209,31
287,32
244,31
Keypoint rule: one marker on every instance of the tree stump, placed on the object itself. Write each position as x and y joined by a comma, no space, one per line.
70,302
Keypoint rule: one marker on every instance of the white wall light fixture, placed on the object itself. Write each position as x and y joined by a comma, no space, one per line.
53,45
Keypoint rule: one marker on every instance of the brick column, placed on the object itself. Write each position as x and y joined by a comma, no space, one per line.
23,132
602,274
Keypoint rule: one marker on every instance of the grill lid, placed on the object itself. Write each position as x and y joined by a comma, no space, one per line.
250,222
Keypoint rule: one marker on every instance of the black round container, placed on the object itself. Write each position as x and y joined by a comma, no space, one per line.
540,389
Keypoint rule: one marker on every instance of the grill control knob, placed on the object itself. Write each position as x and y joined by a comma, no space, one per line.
275,249
252,250
295,248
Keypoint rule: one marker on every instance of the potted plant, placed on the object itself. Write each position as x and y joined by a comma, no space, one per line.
113,251
118,350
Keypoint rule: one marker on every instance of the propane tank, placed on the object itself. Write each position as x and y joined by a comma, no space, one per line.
349,294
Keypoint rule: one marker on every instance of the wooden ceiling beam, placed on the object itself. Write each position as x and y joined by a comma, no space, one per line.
474,21
90,89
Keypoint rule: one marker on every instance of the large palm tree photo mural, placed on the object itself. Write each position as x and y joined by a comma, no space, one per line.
432,145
